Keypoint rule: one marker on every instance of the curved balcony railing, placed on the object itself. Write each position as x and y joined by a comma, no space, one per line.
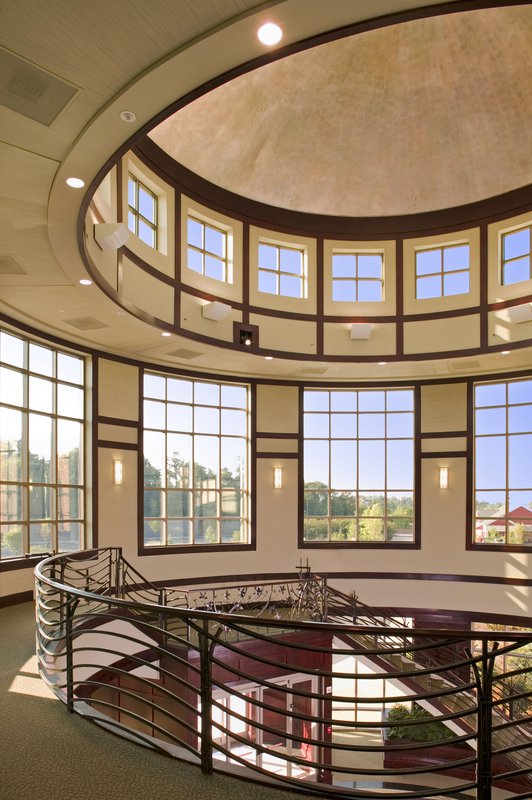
277,682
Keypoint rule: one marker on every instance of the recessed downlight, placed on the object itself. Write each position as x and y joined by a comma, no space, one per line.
128,116
382,363
85,282
505,352
166,333
75,183
269,34
268,358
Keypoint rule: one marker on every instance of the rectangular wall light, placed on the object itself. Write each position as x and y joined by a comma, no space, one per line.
277,477
118,472
443,477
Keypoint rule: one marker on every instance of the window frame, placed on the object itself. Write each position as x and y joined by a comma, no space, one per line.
226,259
356,279
415,541
247,508
279,247
504,262
441,272
134,210
54,485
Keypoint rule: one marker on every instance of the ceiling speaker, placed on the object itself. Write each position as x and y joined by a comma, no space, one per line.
216,311
111,235
520,313
360,330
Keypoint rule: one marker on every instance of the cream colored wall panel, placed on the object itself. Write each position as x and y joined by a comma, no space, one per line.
193,320
118,390
117,433
443,408
301,305
453,443
277,409
442,335
117,507
336,340
105,261
501,330
438,304
230,289
15,581
146,292
277,445
496,291
105,197
388,304
286,335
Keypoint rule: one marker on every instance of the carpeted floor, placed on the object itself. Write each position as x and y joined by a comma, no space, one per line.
49,754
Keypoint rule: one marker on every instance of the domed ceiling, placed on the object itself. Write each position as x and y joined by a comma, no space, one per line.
423,115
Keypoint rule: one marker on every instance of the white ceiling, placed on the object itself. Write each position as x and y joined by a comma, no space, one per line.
139,56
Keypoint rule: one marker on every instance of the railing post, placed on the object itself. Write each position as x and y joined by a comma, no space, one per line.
69,656
484,723
162,617
206,699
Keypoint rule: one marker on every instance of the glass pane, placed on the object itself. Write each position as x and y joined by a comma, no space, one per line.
291,261
41,359
428,287
179,458
205,503
147,205
316,530
316,426
490,420
40,394
154,386
131,192
268,282
370,266
154,456
343,401
490,394
41,502
179,531
343,504
215,241
516,244
179,417
234,422
520,503
401,400
194,233
400,504
69,368
400,530
520,392
369,291
11,503
344,265
456,258
11,543
316,504
490,462
343,465
316,461
153,503
371,465
40,537
207,394
234,396
146,233
154,414
231,503
234,530
233,463
400,425
371,401
40,449
428,262
316,401
206,420
69,503
490,504
290,286
132,221
11,444
267,256
206,461
11,387
69,401
195,260
370,530
69,452
519,453
70,536
455,283
344,291
214,268
400,464
11,349
520,419
205,531
516,271
179,391
343,426
343,530
371,426
153,532
178,504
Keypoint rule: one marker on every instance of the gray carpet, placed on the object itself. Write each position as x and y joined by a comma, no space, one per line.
49,754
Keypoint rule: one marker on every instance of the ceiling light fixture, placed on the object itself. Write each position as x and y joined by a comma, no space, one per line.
128,116
268,358
85,282
75,183
269,34
166,333
505,352
382,363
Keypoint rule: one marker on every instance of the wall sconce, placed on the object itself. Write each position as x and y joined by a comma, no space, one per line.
443,477
118,472
277,477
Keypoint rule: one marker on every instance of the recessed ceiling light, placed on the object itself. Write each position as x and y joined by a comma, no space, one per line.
128,116
382,363
85,282
505,352
268,358
269,33
75,183
166,333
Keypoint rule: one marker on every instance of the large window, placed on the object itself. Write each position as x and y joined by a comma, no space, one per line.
357,277
208,250
359,465
442,271
282,270
41,448
142,211
515,252
503,463
195,462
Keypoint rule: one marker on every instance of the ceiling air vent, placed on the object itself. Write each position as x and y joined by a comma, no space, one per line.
185,354
86,323
10,266
465,366
313,371
32,91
